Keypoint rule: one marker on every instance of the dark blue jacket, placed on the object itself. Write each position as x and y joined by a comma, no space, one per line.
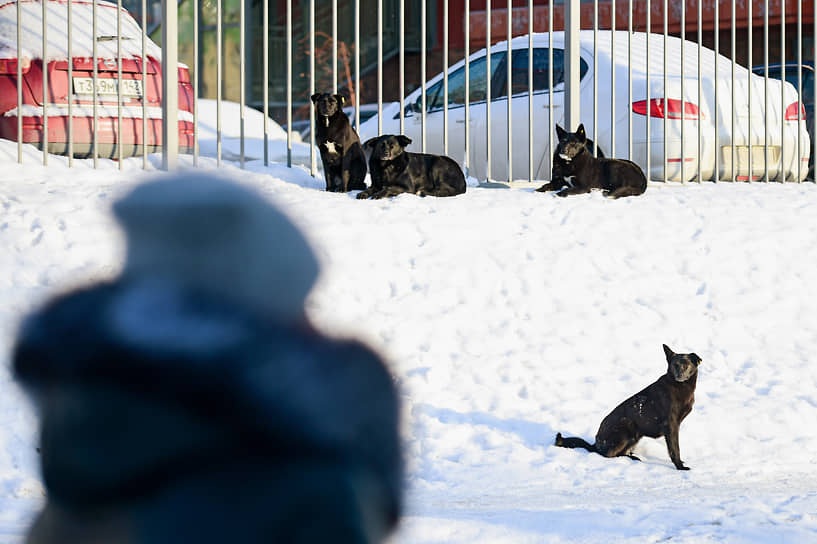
167,416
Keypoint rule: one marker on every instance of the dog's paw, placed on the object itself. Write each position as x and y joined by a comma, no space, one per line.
682,467
363,195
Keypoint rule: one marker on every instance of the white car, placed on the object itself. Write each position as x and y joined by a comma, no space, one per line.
780,124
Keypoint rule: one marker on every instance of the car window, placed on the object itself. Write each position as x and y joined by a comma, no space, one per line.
456,84
541,71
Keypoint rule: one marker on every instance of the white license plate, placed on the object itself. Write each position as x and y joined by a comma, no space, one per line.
108,86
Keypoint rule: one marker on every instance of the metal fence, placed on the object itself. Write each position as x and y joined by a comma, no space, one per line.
667,86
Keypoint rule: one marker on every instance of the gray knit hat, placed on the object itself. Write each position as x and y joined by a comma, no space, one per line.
205,232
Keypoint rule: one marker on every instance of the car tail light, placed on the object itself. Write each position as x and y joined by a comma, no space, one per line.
669,108
791,111
184,75
9,66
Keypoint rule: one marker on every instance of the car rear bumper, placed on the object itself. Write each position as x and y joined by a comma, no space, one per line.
108,139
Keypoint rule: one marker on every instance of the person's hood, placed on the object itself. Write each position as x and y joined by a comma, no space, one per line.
140,382
220,238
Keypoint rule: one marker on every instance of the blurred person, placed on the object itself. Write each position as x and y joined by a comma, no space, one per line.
190,401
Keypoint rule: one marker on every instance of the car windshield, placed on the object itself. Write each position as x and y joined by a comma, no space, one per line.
82,23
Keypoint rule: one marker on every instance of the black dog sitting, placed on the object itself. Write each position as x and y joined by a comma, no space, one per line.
344,163
575,168
655,412
393,170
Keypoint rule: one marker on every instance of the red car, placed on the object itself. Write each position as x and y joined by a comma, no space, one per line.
139,96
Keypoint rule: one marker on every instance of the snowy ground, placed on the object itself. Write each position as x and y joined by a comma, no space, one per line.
509,315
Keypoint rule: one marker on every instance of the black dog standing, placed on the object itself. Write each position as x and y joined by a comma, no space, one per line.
656,411
575,168
344,163
393,170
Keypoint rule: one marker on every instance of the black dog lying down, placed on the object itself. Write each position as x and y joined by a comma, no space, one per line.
393,170
344,164
577,169
655,412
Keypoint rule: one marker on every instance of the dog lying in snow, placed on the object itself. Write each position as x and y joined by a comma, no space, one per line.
393,170
656,411
576,171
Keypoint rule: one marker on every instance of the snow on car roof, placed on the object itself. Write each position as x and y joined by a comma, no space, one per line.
57,32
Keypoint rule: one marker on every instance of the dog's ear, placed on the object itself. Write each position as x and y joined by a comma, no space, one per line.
315,97
370,143
695,358
341,99
403,140
669,353
580,132
560,132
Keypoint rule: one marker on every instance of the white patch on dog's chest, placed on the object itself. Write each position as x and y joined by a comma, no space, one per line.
330,148
569,180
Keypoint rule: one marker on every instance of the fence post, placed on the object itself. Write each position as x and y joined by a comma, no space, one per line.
170,85
572,67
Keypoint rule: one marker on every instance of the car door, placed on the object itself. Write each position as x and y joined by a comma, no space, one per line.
543,120
543,123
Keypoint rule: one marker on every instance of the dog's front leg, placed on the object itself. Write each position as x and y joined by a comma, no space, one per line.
573,191
673,447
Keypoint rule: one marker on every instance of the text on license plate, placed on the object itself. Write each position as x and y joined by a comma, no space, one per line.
108,86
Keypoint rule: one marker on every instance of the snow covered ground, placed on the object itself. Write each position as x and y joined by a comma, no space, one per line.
506,316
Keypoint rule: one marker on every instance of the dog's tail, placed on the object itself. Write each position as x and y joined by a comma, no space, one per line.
571,442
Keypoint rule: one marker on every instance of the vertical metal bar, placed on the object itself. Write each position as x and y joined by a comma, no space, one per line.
357,67
700,88
313,163
242,81
196,67
749,31
648,119
530,91
119,140
683,91
612,79
572,63
403,64
487,88
509,86
799,84
630,80
289,84
379,67
445,77
145,79
219,59
265,77
20,83
423,49
170,84
334,46
45,85
766,142
783,175
44,140
734,132
717,175
467,163
94,37
664,99
595,79
70,97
